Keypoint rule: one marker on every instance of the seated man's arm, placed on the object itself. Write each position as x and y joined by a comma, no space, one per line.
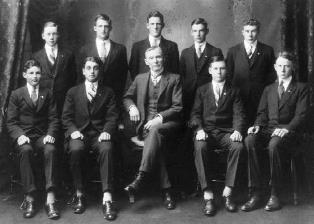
197,112
53,121
129,102
68,116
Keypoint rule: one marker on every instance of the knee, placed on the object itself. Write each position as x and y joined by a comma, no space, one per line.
200,146
250,142
76,147
25,149
237,147
273,145
105,148
49,150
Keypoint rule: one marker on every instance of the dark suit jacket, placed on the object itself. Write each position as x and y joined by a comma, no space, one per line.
23,118
169,103
113,72
252,77
290,112
76,115
228,115
193,76
62,78
137,64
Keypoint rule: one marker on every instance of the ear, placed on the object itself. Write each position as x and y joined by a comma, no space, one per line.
146,61
95,28
24,75
43,36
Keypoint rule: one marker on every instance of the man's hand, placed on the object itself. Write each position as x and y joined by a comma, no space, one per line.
201,135
253,130
104,136
236,136
49,139
22,140
77,135
134,113
153,122
280,132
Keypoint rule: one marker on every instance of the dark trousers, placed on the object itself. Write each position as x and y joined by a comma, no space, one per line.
278,149
77,149
47,152
203,156
152,152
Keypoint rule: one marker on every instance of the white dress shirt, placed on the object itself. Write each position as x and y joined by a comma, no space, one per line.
91,89
217,89
154,41
250,47
155,77
51,51
103,47
200,45
285,82
31,88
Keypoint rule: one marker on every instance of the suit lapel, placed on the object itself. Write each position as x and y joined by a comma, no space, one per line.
204,57
163,84
44,61
82,98
111,54
224,95
244,55
211,95
59,61
256,54
287,94
98,100
27,97
42,95
143,92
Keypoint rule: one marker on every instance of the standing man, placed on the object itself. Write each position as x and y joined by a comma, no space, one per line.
194,63
33,125
154,102
218,119
90,119
280,119
114,65
155,24
250,67
58,64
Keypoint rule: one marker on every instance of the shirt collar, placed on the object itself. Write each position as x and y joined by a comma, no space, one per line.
220,84
202,45
30,88
153,39
156,75
53,48
99,41
285,82
88,84
248,45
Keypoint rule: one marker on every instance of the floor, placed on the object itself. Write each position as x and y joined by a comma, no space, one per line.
148,209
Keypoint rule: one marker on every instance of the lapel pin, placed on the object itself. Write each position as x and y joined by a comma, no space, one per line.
42,97
258,53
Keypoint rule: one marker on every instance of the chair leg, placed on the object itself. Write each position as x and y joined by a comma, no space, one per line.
294,181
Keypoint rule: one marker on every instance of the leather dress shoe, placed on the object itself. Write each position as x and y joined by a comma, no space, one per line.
136,185
251,204
169,201
209,209
29,209
273,204
78,204
52,211
110,213
230,205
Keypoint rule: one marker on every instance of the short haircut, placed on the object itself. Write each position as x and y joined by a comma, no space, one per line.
252,22
156,13
200,21
31,63
103,17
289,55
154,48
216,58
50,23
92,59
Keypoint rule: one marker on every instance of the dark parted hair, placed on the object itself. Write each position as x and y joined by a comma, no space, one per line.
289,55
156,13
31,63
200,21
92,59
252,22
103,17
50,23
216,58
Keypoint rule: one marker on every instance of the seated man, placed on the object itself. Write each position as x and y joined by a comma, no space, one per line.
218,117
33,124
281,115
90,119
154,100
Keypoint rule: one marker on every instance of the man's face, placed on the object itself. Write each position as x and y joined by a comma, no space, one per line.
50,35
199,32
218,71
154,26
284,68
250,33
102,29
154,59
91,71
32,76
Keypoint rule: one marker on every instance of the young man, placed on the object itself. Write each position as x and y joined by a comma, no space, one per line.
155,24
33,125
280,117
58,64
250,67
154,102
114,65
194,63
218,119
90,119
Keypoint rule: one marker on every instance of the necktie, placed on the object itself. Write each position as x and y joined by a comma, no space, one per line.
199,51
91,92
154,80
34,97
52,57
217,95
103,52
250,52
281,89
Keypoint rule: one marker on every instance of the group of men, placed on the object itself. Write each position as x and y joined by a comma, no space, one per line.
235,104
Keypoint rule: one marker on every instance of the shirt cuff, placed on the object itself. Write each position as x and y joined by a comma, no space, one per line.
160,116
132,106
